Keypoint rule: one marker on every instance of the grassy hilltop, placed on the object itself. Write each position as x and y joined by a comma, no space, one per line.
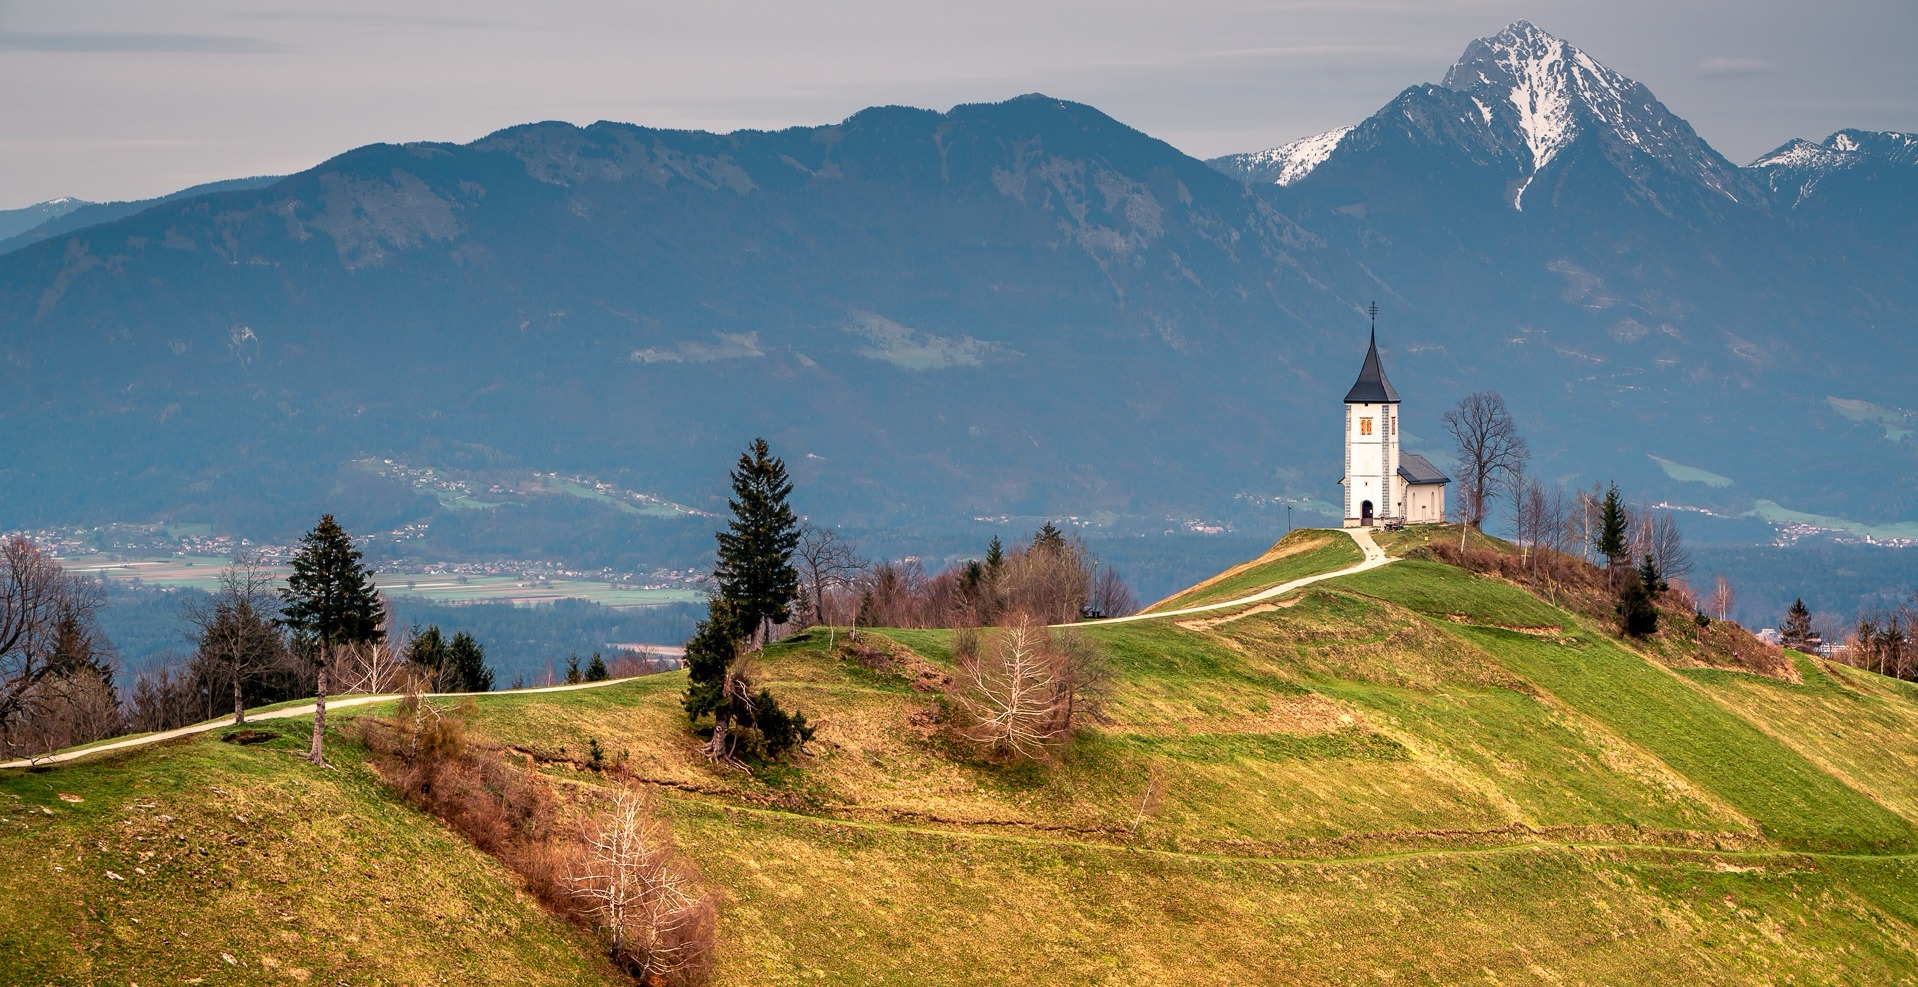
1412,775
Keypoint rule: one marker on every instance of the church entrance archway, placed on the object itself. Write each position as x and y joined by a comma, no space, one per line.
1365,513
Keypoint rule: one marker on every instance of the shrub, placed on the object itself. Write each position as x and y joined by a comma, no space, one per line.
1020,694
1637,614
660,921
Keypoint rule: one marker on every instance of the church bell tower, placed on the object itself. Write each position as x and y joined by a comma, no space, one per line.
1371,442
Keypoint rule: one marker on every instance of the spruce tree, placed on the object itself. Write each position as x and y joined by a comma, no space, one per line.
1797,629
1610,537
995,556
1649,575
755,570
466,665
427,653
1049,539
757,584
329,602
710,654
743,723
596,669
572,669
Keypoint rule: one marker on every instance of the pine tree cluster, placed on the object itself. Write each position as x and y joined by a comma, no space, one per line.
458,665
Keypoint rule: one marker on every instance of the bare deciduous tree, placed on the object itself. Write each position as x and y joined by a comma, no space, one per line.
1883,642
1012,691
825,560
1023,693
1048,580
381,666
1723,599
1584,518
1656,533
237,638
649,897
46,632
1111,596
1491,452
76,708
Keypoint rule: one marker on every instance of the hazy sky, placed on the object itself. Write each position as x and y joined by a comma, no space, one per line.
114,99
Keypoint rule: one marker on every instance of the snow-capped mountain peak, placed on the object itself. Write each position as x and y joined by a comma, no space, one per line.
1551,93
1801,153
1540,76
1543,116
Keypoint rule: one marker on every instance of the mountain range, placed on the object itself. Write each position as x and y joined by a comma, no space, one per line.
21,227
1018,308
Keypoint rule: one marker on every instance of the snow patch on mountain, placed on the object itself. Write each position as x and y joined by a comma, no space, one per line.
1888,145
14,222
1800,153
1297,159
1286,163
1796,168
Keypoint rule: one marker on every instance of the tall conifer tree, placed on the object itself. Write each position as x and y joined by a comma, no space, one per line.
755,570
1611,528
1797,629
329,602
757,584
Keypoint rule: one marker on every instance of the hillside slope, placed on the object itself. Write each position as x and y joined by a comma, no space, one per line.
1415,773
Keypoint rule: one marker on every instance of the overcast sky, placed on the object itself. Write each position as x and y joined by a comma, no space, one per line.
118,99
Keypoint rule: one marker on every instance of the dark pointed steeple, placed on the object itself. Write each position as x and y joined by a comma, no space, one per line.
1372,387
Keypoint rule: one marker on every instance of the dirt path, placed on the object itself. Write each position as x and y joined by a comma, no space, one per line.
343,702
1374,557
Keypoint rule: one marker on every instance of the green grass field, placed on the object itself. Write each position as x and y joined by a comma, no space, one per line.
1299,554
623,505
1410,775
1775,513
1691,474
179,856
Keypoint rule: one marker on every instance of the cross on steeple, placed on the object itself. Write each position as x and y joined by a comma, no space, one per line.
1373,311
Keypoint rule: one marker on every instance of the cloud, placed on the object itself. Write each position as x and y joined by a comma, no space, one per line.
1723,67
372,19
911,349
731,346
136,41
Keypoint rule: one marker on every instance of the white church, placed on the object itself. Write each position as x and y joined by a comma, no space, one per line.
1381,483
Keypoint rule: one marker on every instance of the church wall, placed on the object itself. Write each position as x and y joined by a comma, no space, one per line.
1371,457
1424,502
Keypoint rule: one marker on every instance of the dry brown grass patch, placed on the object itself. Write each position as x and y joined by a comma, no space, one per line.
1207,623
1302,715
